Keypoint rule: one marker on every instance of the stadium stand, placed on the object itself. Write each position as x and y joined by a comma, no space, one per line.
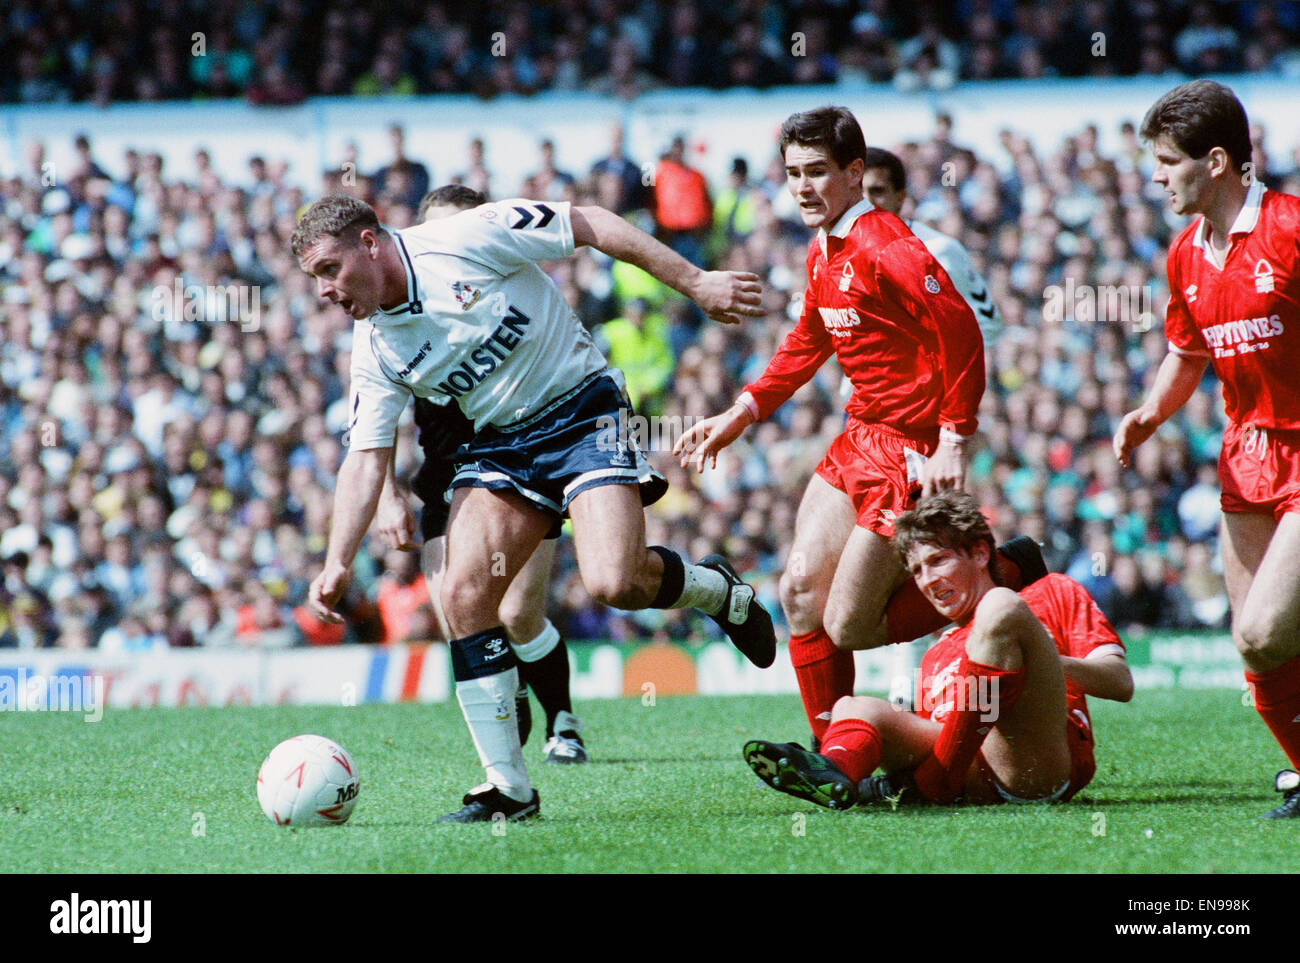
172,394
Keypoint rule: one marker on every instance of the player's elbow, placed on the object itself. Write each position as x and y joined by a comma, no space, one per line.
1119,681
587,223
364,469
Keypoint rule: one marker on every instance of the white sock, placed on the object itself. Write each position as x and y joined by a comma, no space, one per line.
704,589
488,704
540,647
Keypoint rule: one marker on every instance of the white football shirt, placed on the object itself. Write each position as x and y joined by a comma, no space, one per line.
949,252
482,325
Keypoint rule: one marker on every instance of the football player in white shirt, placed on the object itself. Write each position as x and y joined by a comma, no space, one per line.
446,310
884,184
539,647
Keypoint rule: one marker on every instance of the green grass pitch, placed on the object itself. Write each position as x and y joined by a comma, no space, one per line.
1182,778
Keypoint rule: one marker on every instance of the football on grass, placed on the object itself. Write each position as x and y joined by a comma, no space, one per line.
308,781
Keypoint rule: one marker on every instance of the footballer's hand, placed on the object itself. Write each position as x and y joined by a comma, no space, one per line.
708,437
1135,428
325,591
395,523
729,296
945,469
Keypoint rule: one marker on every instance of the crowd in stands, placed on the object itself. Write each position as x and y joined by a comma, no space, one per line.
173,394
281,52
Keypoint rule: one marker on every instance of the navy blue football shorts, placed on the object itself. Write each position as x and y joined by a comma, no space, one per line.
577,442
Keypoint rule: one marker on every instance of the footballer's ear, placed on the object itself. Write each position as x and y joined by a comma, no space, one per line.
369,243
980,553
1217,162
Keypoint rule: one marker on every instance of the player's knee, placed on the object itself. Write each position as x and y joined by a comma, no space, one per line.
1261,638
519,611
1000,619
796,595
867,708
838,627
615,589
464,598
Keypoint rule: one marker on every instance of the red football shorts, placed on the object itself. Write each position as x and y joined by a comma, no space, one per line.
1259,469
1083,766
879,468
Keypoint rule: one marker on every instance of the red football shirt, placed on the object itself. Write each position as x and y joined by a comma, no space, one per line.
1245,316
906,339
1070,614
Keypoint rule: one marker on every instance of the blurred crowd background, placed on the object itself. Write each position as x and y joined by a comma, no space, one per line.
169,457
283,52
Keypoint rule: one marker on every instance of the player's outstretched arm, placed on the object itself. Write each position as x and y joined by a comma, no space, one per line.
726,296
356,495
708,437
1104,675
1177,378
394,519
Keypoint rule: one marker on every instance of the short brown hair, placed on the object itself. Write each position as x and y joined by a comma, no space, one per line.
951,519
336,215
833,128
1197,117
450,195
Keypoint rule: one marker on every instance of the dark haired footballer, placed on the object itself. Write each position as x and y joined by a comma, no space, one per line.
879,301
1234,304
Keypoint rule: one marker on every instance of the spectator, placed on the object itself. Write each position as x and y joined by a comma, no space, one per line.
683,210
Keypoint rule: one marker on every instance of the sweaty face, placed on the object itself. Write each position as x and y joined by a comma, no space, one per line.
1184,178
880,192
823,189
952,580
346,273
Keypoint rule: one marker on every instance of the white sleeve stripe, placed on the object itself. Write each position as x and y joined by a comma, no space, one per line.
1110,648
1187,353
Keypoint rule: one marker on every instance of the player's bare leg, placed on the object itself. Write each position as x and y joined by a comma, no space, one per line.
825,673
433,561
905,738
523,609
618,569
821,528
1027,750
609,539
1261,565
543,659
490,536
867,575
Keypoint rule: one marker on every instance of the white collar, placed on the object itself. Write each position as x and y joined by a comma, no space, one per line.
845,223
1245,220
412,304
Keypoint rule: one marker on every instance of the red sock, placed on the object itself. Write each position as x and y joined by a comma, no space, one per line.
854,746
825,675
909,614
1277,700
942,774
